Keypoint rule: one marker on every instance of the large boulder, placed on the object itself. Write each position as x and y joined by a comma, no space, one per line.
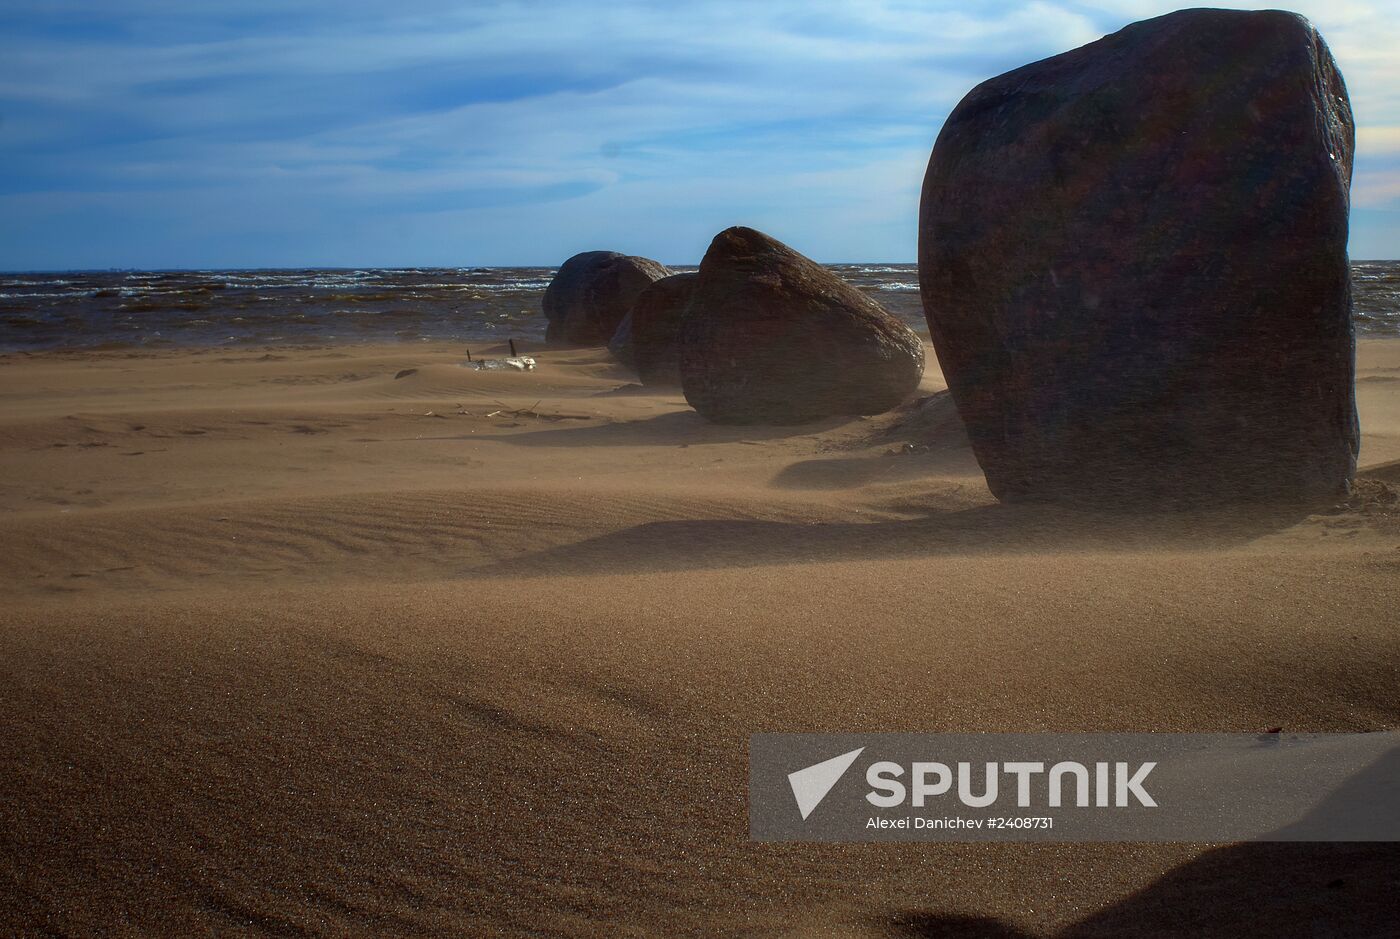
591,294
772,337
1132,258
656,326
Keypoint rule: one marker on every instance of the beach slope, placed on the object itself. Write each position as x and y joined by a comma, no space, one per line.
359,641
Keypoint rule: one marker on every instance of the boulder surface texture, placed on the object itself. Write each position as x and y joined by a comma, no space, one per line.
1132,258
656,326
591,294
772,337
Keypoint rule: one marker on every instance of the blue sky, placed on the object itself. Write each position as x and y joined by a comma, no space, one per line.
214,133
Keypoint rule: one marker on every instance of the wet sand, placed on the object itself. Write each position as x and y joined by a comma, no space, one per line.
294,646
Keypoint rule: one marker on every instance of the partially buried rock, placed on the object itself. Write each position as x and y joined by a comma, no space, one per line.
655,328
591,294
620,345
1132,258
772,337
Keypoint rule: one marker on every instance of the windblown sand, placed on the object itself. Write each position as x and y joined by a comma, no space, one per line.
292,646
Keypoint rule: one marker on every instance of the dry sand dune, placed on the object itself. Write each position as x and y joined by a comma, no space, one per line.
293,646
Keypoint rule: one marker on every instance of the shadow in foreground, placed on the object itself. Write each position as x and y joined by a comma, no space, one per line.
1276,888
1263,888
917,925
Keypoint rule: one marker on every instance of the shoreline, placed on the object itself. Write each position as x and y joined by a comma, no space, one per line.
433,346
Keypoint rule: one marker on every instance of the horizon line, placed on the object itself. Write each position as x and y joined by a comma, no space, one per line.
436,267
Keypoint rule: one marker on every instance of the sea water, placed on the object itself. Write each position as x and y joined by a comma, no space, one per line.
87,309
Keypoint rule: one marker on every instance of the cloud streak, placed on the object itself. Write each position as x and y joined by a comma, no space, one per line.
148,133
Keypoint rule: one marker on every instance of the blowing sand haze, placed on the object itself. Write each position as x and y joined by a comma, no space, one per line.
292,645
311,625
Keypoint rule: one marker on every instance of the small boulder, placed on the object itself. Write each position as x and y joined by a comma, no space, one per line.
772,337
591,294
655,328
1132,258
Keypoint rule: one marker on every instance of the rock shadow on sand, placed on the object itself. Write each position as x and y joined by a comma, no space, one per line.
923,925
888,467
922,439
674,428
989,529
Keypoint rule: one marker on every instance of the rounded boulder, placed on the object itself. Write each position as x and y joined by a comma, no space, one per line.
592,293
772,337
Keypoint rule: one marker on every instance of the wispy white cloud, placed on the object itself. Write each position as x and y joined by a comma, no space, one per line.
434,131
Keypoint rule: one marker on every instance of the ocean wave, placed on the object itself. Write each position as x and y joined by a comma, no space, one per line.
210,307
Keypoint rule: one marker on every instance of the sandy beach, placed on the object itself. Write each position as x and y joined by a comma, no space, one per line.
354,640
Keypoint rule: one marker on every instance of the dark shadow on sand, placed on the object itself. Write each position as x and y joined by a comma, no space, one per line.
923,925
1282,888
990,529
1265,888
890,467
673,428
926,438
